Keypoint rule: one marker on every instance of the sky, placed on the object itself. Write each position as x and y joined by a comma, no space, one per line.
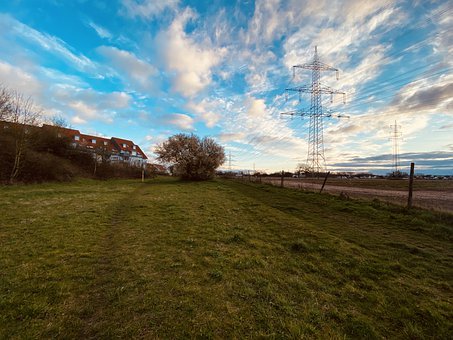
145,70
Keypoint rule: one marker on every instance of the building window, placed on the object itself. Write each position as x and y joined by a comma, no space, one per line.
124,145
105,143
93,141
134,147
76,137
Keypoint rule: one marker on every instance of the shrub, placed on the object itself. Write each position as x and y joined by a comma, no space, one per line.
191,157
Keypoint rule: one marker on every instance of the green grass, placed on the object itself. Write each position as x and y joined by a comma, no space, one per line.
218,259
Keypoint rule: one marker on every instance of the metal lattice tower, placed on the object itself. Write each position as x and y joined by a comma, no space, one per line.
315,159
395,136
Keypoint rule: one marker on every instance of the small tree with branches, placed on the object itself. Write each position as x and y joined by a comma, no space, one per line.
22,115
190,157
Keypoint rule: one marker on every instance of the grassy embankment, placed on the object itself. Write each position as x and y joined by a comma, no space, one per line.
224,259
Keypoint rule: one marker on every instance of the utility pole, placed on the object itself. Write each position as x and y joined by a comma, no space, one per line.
315,158
395,135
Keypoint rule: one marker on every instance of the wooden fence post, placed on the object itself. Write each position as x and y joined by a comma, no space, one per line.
411,184
325,180
281,180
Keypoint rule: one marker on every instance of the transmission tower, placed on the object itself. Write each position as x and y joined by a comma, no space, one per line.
315,159
395,135
230,164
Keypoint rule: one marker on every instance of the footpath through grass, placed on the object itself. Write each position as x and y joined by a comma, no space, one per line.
169,259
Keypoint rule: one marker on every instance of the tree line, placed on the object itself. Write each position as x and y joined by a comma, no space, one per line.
31,154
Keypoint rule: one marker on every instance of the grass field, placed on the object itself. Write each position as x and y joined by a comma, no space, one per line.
223,259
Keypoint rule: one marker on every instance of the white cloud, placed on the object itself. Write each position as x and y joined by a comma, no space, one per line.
231,137
191,61
44,41
101,31
78,120
15,78
85,113
134,70
118,100
442,41
148,9
83,109
179,120
255,107
250,123
207,110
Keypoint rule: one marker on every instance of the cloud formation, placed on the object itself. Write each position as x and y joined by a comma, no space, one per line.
179,120
133,70
147,9
223,69
53,45
190,61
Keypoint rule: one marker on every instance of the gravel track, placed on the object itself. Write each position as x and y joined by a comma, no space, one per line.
440,200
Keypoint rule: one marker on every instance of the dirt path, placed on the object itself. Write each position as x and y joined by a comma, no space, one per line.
430,199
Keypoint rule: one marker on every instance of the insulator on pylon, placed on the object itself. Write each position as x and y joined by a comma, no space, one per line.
344,98
294,72
331,98
337,74
286,96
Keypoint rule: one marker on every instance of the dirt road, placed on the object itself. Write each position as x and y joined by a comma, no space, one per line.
441,200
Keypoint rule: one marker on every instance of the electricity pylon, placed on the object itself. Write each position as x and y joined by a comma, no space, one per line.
315,159
230,164
395,135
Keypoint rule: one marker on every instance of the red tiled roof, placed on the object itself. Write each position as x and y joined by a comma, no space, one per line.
65,131
139,150
129,146
114,144
100,142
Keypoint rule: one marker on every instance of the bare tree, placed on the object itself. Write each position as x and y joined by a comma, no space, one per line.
191,157
59,121
23,116
5,103
302,169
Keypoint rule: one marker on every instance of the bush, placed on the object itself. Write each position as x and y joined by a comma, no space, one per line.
191,157
43,167
108,170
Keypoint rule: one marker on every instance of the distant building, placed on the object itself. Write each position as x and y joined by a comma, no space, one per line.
114,150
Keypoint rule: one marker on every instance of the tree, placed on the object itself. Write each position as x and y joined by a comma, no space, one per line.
302,169
5,103
59,121
22,116
191,157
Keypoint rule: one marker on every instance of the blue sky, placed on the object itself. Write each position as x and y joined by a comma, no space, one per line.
144,70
